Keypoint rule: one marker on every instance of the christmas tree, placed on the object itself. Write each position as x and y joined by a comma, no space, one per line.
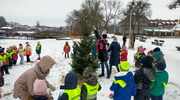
88,18
82,57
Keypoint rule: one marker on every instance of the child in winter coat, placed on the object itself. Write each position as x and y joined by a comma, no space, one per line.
91,86
71,89
66,50
14,55
5,62
123,86
21,53
159,56
123,54
38,50
143,77
9,53
28,51
139,56
159,83
40,90
1,75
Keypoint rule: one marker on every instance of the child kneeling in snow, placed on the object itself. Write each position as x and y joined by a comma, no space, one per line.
123,86
91,86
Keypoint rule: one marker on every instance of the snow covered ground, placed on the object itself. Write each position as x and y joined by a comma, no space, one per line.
54,48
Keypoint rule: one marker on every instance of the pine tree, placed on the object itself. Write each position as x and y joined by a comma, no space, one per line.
81,56
87,18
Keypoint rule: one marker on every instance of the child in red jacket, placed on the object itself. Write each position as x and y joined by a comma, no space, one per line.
66,50
123,54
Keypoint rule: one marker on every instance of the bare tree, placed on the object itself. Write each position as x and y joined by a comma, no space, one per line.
174,4
112,10
88,17
135,12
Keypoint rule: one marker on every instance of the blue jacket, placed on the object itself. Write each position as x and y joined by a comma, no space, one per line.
115,51
126,92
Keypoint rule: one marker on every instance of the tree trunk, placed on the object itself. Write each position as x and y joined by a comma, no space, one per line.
131,40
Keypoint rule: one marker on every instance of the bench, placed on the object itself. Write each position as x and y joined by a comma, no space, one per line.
158,42
142,39
178,48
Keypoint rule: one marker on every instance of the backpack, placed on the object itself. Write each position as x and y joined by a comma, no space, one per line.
101,45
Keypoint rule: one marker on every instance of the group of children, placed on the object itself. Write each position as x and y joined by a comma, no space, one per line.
147,82
10,55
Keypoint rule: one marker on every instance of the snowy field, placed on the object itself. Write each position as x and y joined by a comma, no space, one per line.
54,48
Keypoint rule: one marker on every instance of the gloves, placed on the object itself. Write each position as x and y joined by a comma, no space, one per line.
111,94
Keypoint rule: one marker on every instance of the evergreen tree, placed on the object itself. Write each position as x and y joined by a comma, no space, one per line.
81,56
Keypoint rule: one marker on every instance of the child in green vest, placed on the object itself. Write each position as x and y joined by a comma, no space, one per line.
159,83
91,86
71,89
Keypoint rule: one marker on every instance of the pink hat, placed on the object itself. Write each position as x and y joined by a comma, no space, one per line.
141,49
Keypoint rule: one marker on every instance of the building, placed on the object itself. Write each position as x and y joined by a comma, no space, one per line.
176,30
156,27
138,29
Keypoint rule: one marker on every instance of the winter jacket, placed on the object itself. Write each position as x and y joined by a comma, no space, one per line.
40,87
66,48
123,55
15,55
38,48
28,50
114,50
159,84
4,58
91,83
123,86
101,47
23,87
143,78
21,51
70,83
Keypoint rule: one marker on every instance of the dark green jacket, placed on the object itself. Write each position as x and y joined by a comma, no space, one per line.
158,85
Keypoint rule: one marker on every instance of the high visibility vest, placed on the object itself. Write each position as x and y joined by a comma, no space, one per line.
91,91
1,58
73,94
121,83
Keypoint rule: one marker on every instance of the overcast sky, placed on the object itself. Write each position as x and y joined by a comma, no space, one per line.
54,12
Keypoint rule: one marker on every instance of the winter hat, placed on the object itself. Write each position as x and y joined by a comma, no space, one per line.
141,49
157,49
147,62
46,63
90,76
104,36
124,66
1,50
71,81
